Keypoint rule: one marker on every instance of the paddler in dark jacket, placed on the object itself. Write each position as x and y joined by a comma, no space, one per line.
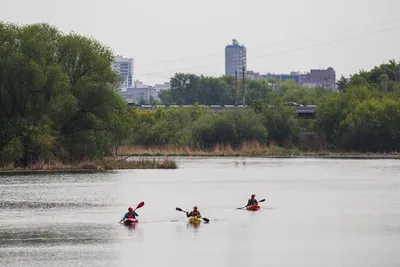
194,213
130,214
252,201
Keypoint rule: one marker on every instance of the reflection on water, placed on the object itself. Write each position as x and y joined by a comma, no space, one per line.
47,234
317,213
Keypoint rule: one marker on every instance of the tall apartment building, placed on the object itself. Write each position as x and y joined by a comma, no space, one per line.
124,67
235,58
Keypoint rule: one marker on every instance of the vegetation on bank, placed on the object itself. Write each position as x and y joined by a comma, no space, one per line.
96,166
59,102
360,119
252,149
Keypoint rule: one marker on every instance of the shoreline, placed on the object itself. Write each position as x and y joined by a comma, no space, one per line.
142,163
305,156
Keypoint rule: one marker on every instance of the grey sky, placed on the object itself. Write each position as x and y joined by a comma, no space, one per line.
190,36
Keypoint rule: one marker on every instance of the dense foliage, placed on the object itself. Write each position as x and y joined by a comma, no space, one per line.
361,119
203,128
57,95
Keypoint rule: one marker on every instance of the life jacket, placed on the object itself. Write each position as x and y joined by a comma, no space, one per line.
195,213
131,216
252,201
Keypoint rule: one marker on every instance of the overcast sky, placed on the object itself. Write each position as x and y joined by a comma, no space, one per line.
168,36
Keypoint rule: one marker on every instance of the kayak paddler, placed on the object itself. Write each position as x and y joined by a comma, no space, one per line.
194,213
252,201
130,214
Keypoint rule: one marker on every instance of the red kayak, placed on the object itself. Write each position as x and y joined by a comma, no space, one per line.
253,207
130,221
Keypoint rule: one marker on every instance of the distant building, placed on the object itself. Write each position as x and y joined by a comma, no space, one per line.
124,67
316,77
253,75
293,76
319,77
235,58
163,86
139,93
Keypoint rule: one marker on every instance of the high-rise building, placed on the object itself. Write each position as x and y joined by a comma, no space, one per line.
124,67
235,58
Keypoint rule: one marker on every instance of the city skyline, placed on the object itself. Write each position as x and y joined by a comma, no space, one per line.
300,36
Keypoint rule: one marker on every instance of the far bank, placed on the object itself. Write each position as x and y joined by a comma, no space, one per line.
247,151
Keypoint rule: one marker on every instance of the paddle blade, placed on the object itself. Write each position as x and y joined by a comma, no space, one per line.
141,204
206,220
179,209
262,200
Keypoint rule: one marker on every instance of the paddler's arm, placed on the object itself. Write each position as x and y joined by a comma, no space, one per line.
137,215
126,214
188,214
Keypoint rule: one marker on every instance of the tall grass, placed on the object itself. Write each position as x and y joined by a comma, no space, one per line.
250,148
101,165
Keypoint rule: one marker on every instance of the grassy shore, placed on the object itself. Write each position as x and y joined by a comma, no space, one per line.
249,150
93,166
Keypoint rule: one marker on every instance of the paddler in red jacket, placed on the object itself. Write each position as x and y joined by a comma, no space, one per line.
130,214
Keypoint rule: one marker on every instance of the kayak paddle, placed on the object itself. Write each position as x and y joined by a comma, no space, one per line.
204,219
141,204
262,200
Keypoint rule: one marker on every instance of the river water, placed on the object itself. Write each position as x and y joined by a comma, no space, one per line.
318,212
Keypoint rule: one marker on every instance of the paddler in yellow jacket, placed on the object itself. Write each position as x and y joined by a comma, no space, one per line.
194,213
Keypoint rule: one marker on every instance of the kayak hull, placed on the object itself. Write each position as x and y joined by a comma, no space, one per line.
253,207
195,220
130,221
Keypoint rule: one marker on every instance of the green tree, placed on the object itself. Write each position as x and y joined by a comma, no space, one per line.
58,94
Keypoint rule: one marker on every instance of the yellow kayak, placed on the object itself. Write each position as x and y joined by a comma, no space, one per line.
195,220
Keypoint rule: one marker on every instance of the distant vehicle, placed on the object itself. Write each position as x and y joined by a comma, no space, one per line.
293,104
134,104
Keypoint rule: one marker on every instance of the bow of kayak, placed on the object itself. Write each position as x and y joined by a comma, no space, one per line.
195,220
253,207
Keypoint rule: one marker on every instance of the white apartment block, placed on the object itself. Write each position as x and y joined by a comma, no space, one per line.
124,67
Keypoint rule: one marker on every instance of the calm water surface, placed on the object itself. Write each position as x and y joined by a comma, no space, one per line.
318,213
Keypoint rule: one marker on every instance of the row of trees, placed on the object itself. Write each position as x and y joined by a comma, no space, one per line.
187,89
58,96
